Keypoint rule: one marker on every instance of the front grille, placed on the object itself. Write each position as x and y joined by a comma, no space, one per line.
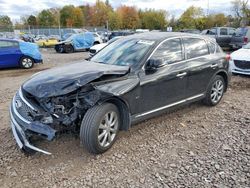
22,108
242,64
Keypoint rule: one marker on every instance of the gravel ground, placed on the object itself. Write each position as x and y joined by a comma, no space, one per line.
195,146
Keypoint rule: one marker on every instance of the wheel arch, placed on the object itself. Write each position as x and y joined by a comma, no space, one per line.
224,75
23,56
123,110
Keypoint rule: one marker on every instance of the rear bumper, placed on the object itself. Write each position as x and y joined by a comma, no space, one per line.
38,60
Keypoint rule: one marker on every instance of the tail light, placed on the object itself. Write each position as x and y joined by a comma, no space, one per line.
228,57
245,40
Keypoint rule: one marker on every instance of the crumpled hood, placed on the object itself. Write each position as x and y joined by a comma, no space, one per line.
63,80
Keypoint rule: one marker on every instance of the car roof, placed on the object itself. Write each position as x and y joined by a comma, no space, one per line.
159,36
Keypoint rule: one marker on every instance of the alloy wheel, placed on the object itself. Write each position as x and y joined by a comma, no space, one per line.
27,63
217,91
108,129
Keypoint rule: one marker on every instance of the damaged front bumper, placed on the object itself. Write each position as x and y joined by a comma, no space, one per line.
22,127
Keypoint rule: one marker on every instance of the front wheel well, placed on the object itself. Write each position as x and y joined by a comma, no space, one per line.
123,110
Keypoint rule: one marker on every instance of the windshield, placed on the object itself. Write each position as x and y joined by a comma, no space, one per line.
123,52
113,40
71,36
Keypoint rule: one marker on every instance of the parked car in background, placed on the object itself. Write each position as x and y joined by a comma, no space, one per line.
48,42
15,53
96,48
240,38
40,37
120,33
193,31
132,79
66,36
76,42
240,60
223,35
57,37
98,38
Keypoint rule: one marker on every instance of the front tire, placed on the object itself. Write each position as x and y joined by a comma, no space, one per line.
215,91
100,127
26,62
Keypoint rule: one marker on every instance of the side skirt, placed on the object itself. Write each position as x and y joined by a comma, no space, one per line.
158,111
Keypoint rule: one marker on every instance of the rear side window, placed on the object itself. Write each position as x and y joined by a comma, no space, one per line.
241,32
223,31
195,47
8,44
170,51
211,47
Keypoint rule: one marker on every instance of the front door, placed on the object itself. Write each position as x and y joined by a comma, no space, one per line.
166,85
9,54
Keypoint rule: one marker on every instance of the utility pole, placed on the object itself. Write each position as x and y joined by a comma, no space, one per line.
59,23
208,7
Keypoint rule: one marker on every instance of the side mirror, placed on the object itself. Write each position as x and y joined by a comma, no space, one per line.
153,64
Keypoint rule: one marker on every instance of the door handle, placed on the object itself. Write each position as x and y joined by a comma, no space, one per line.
181,74
214,65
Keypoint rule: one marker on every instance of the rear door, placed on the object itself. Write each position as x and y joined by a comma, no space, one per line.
10,54
223,38
201,65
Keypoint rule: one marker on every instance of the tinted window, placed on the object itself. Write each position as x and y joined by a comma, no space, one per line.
223,31
8,44
211,32
195,47
211,47
231,31
241,31
170,51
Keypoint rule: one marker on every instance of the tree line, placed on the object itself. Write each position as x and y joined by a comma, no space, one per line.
129,17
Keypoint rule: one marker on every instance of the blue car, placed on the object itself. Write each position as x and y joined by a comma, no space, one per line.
76,42
15,53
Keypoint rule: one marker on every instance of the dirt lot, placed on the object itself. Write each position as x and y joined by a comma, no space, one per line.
196,146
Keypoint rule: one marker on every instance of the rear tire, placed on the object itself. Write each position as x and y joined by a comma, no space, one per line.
26,62
68,49
100,127
215,91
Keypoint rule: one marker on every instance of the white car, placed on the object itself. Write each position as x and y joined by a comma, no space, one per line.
240,60
96,48
98,39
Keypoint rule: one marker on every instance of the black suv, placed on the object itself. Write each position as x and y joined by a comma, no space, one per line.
130,80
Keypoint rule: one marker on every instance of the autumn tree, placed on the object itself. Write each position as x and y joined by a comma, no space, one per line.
114,20
32,20
71,16
100,13
153,19
241,12
46,18
86,10
5,23
192,18
129,17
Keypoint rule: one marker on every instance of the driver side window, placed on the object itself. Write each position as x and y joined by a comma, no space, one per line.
170,51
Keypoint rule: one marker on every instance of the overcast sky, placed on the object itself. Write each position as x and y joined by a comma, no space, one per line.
18,8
